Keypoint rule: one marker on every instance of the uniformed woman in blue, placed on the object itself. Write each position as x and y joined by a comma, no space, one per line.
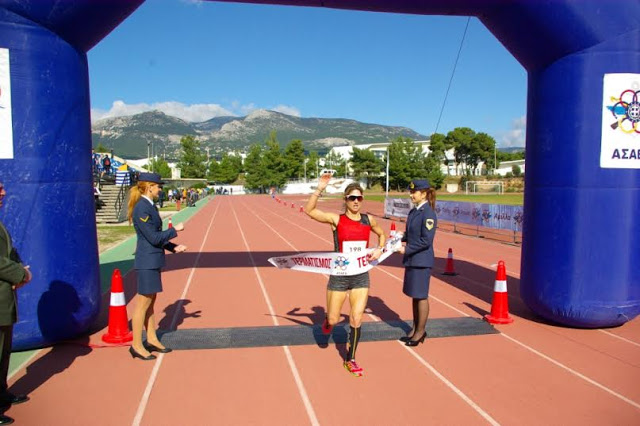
149,259
418,256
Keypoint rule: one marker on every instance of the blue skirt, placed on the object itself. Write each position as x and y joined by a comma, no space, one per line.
416,282
149,281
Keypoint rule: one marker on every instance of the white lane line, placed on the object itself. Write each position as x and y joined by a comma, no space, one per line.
154,373
193,271
443,379
147,391
450,385
294,370
557,363
620,337
574,372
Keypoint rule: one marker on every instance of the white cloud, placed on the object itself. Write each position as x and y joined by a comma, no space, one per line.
192,113
515,137
244,109
286,109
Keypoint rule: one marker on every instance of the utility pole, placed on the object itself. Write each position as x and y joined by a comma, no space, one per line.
149,155
305,170
387,195
495,158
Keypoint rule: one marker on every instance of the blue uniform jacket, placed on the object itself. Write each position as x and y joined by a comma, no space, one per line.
421,228
152,240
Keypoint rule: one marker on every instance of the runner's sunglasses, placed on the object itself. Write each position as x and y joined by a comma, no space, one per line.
355,197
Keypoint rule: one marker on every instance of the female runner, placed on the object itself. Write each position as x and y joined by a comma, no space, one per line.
350,234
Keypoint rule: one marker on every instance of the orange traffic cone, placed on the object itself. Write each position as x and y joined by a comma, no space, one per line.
118,331
170,224
500,305
301,209
449,269
393,229
293,206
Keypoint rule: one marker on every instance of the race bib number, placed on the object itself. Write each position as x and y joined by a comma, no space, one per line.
355,247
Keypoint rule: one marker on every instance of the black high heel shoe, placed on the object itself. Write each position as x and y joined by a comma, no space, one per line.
153,348
416,342
405,338
135,354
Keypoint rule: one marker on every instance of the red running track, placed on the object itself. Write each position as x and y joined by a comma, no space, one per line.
532,373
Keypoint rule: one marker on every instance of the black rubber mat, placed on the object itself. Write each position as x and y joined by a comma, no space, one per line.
249,337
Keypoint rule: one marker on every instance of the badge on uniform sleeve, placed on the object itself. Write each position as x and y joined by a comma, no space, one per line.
147,218
429,224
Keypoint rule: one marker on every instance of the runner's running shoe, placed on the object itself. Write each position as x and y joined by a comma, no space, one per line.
353,368
326,328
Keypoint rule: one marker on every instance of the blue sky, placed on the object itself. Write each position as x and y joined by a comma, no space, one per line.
198,60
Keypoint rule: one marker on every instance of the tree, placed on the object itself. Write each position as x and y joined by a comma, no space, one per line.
510,156
212,169
274,167
227,170
365,164
160,166
101,148
482,146
192,160
334,161
406,162
294,159
437,146
517,171
433,171
253,168
460,139
313,164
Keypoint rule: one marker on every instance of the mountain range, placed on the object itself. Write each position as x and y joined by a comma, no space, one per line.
131,136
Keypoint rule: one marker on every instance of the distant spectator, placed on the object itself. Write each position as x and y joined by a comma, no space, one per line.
106,164
96,194
161,197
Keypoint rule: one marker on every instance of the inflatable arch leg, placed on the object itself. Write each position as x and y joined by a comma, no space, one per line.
581,244
49,207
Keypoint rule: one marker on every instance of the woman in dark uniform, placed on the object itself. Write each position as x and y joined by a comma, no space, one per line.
418,256
350,233
149,259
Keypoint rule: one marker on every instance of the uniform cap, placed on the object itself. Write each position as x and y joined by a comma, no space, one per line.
419,185
151,177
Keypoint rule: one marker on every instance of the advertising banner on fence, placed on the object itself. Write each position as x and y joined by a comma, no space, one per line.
496,216
397,207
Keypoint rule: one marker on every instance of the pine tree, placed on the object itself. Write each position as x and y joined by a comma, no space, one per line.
192,162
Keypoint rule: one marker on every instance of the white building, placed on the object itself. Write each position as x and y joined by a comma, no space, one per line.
380,151
507,166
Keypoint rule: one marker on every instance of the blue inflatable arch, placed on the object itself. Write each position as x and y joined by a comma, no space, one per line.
581,247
